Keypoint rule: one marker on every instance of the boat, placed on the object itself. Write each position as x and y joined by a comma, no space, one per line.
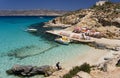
31,30
40,17
63,40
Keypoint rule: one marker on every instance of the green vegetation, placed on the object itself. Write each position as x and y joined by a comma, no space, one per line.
118,63
84,67
108,3
107,6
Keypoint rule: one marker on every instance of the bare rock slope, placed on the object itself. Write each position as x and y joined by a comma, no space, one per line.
105,19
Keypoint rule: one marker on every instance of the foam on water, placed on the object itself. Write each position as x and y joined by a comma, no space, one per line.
20,47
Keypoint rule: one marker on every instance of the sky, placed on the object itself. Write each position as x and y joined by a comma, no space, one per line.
47,4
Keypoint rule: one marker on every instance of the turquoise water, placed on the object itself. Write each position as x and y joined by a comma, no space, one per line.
20,47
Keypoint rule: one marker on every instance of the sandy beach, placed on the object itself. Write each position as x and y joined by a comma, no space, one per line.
93,57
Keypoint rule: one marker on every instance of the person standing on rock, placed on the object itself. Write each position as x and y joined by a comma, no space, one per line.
58,66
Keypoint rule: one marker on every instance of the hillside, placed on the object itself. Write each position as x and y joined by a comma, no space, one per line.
31,13
105,18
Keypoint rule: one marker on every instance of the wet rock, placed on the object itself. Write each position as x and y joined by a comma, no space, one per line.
30,70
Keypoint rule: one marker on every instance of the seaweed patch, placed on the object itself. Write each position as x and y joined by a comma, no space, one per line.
21,54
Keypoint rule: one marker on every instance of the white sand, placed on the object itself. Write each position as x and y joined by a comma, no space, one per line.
90,57
93,57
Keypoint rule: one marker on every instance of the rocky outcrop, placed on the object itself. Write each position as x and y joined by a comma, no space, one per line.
30,70
82,74
110,63
105,19
107,69
71,18
106,44
106,13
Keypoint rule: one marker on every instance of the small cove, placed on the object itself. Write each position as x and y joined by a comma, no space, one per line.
20,47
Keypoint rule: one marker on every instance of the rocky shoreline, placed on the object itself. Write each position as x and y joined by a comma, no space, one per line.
104,19
106,52
28,71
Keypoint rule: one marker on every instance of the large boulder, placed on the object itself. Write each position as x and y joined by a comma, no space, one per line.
20,70
30,70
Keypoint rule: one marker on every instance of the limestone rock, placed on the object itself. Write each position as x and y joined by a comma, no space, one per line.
30,70
82,74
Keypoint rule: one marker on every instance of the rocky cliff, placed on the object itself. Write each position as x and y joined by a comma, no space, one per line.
108,13
105,18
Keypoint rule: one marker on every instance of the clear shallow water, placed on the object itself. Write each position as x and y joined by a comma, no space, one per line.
20,47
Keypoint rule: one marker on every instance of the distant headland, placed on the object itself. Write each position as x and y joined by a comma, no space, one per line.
32,12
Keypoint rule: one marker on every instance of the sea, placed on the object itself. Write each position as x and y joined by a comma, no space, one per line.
20,47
